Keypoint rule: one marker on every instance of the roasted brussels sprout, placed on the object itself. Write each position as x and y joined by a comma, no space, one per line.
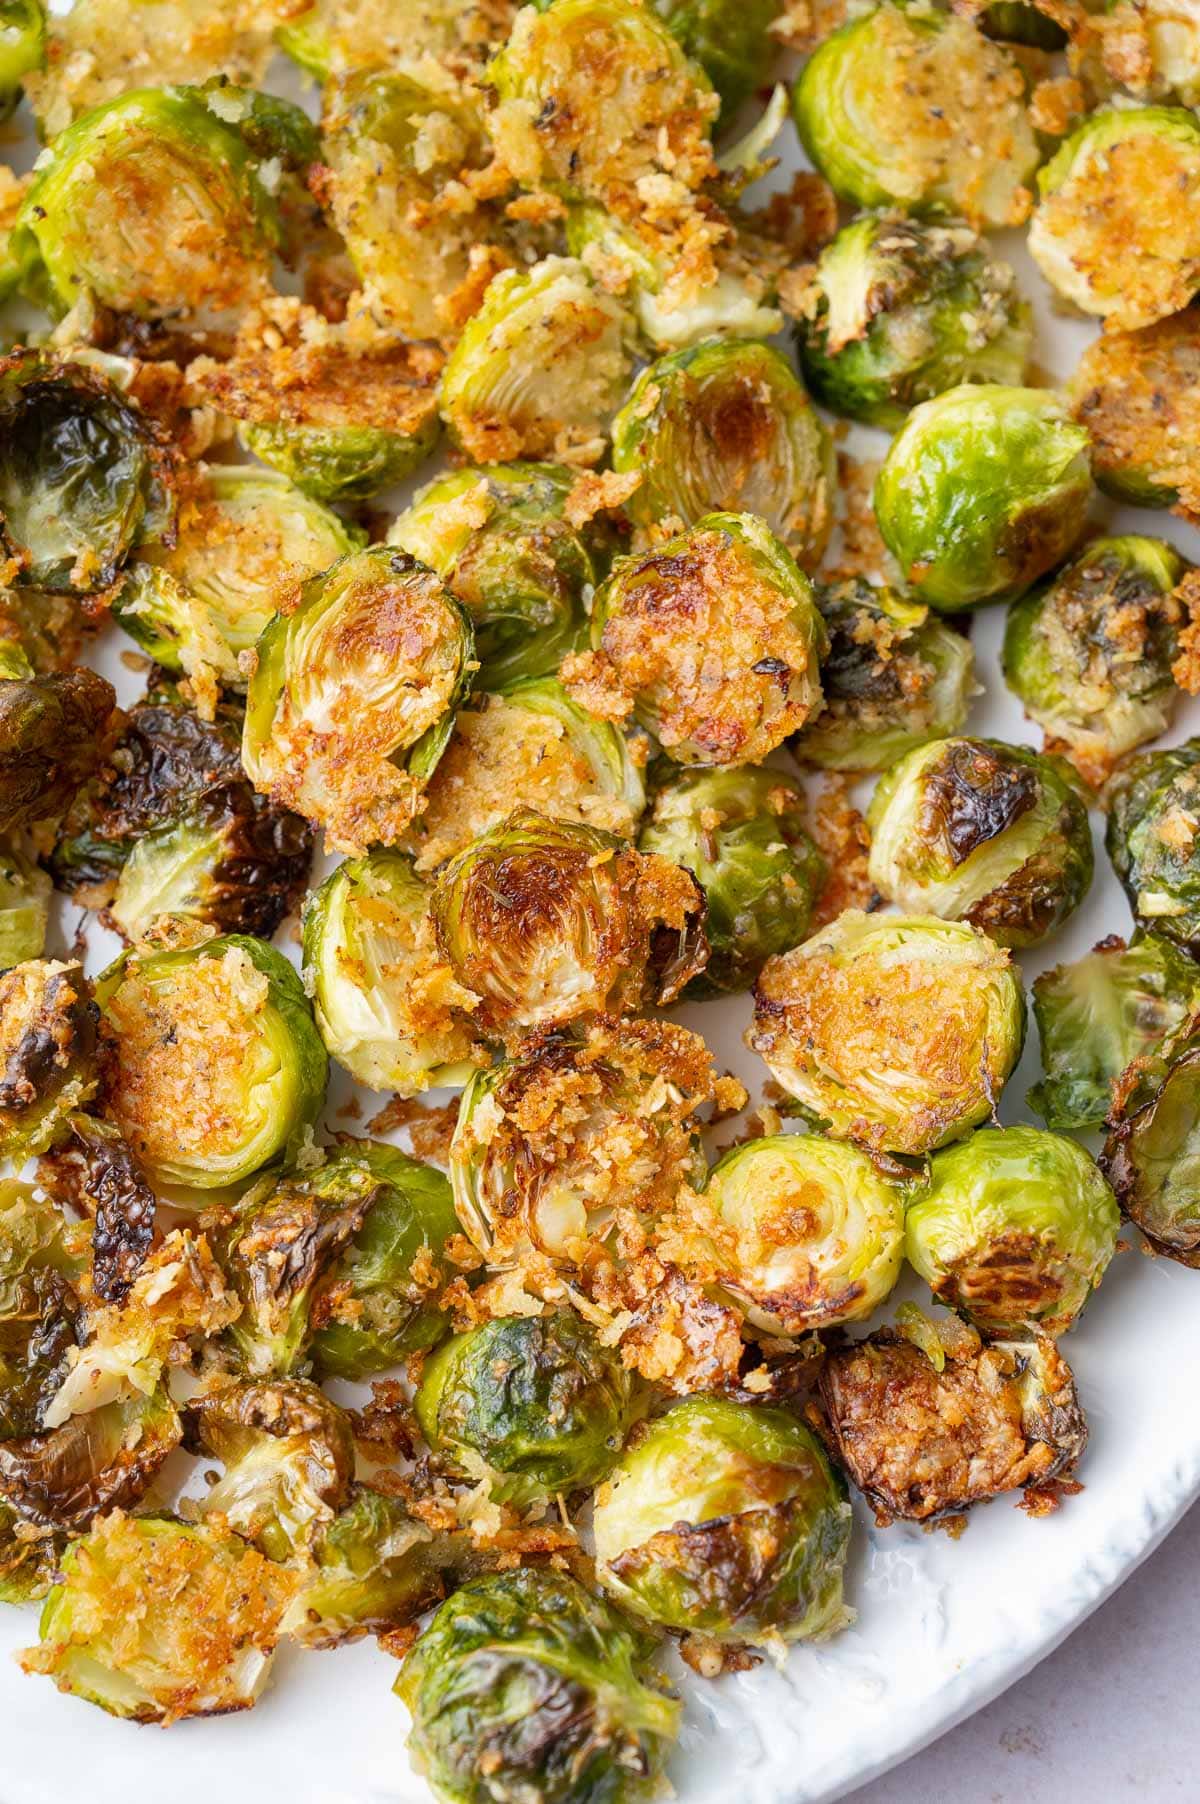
1013,1227
156,1620
24,906
893,678
95,1172
930,1420
898,1032
1117,228
352,696
715,686
61,1478
726,1519
547,920
974,830
731,42
909,107
897,312
536,1405
725,425
54,731
387,1002
1095,1017
541,366
742,834
1154,802
982,492
525,1685
1151,1150
212,1065
40,1312
373,1567
47,1053
22,47
1138,396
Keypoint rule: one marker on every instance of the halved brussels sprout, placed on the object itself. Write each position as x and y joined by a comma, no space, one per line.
726,1519
715,685
912,108
898,1032
725,425
547,920
54,731
730,39
352,696
1090,654
1154,808
893,678
528,740
975,830
24,906
1013,1226
897,312
387,1003
62,1477
743,836
533,1404
928,1420
47,1053
1098,1015
1138,396
499,541
983,490
156,1620
198,602
1150,1156
212,1065
22,47
541,365
333,36
531,1162
1117,229
374,1567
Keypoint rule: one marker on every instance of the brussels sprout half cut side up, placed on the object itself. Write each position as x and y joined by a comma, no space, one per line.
983,490
725,426
24,906
524,1684
899,1033
47,1053
212,1065
1150,1156
1151,840
726,1519
975,830
352,697
1138,396
1013,1227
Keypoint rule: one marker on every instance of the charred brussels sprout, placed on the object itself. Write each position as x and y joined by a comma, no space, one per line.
974,830
24,907
1095,1017
1150,1156
53,733
1117,229
725,425
897,312
900,1033
912,108
353,692
1014,1226
982,492
742,835
1090,654
725,1519
212,1065
22,47
547,920
732,43
525,1685
373,1567
155,1620
387,1002
893,678
48,1053
713,686
534,1404
1151,840
95,1172
1138,396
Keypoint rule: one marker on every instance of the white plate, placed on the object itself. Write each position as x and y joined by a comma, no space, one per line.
942,1626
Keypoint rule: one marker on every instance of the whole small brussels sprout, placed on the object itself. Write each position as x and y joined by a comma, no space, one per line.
1151,840
24,906
982,491
47,1053
893,678
212,1065
714,685
900,1033
525,1685
725,426
898,311
731,42
975,830
1090,654
726,1519
54,731
373,1567
1150,1155
1138,396
912,108
22,47
547,920
1013,1226
534,1404
352,696
1096,1016
743,836
1094,236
